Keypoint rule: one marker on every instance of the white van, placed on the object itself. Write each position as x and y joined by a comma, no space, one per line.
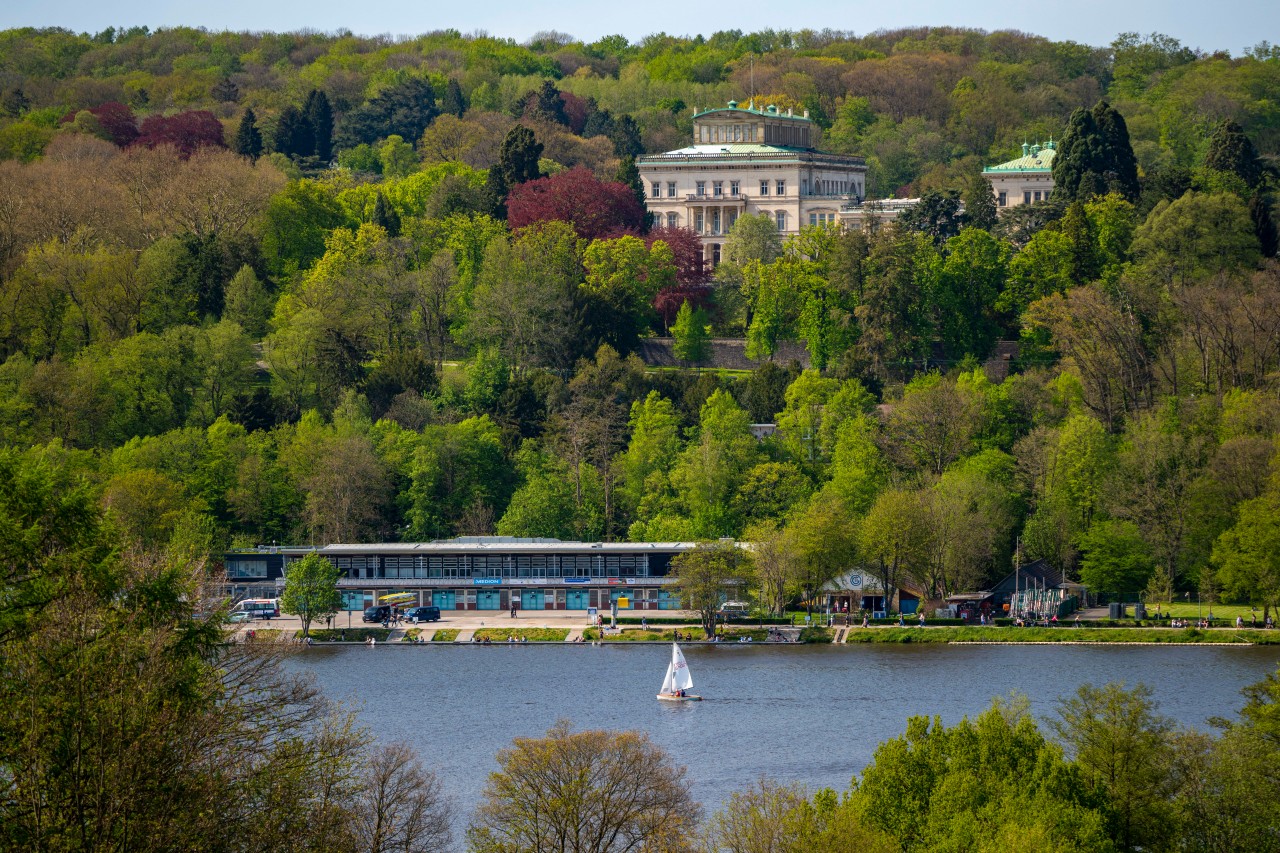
735,610
258,608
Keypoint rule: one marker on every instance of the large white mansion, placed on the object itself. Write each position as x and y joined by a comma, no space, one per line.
751,161
1024,180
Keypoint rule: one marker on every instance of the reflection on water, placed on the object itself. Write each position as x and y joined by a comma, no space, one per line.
812,714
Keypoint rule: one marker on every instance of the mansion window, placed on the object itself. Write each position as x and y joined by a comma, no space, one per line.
724,133
1003,200
732,217
1026,198
657,190
764,188
717,189
698,221
700,188
673,220
780,218
671,189
822,218
781,188
734,188
715,221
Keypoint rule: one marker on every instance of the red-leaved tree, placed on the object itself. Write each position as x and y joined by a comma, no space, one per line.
185,131
667,303
594,208
116,121
686,245
575,109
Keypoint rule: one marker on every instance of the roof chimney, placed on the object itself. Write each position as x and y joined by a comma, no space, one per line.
806,113
789,111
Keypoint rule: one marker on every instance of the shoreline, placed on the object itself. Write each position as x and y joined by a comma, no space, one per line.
975,635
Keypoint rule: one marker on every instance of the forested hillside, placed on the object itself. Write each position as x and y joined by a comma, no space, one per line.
319,288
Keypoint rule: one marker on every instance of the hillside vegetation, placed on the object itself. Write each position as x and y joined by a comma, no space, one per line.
319,287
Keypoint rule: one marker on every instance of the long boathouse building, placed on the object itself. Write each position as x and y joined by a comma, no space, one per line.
478,573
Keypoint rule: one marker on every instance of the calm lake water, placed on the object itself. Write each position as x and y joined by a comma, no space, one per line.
812,714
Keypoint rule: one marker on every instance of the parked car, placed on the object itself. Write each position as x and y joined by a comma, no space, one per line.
422,614
239,617
377,613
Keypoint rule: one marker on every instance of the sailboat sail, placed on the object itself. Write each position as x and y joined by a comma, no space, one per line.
681,678
667,686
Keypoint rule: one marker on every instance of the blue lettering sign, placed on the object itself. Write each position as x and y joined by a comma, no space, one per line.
487,581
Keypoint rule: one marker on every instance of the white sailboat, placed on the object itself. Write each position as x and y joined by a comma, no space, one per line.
678,681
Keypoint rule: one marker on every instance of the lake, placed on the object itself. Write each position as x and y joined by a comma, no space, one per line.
813,714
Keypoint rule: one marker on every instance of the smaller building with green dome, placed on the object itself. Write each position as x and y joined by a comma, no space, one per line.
1024,180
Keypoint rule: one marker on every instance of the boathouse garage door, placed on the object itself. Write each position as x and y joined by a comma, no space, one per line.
576,599
488,599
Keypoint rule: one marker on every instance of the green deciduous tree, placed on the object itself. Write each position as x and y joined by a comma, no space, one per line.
1119,743
707,575
979,785
692,343
584,792
311,590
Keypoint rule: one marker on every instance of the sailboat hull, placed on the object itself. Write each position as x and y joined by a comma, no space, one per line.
670,697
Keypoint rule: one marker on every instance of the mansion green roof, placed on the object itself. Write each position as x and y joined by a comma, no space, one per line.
767,112
1034,159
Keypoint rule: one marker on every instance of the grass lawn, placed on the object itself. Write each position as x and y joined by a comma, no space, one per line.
445,635
1183,610
533,635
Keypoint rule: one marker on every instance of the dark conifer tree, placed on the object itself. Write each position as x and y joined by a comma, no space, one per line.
626,137
518,156
1264,225
598,122
248,141
1075,225
405,109
517,163
14,102
225,91
454,102
1119,165
979,204
293,135
1094,157
629,174
544,104
385,216
319,115
1231,151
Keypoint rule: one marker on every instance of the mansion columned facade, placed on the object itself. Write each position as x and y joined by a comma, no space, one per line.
750,161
